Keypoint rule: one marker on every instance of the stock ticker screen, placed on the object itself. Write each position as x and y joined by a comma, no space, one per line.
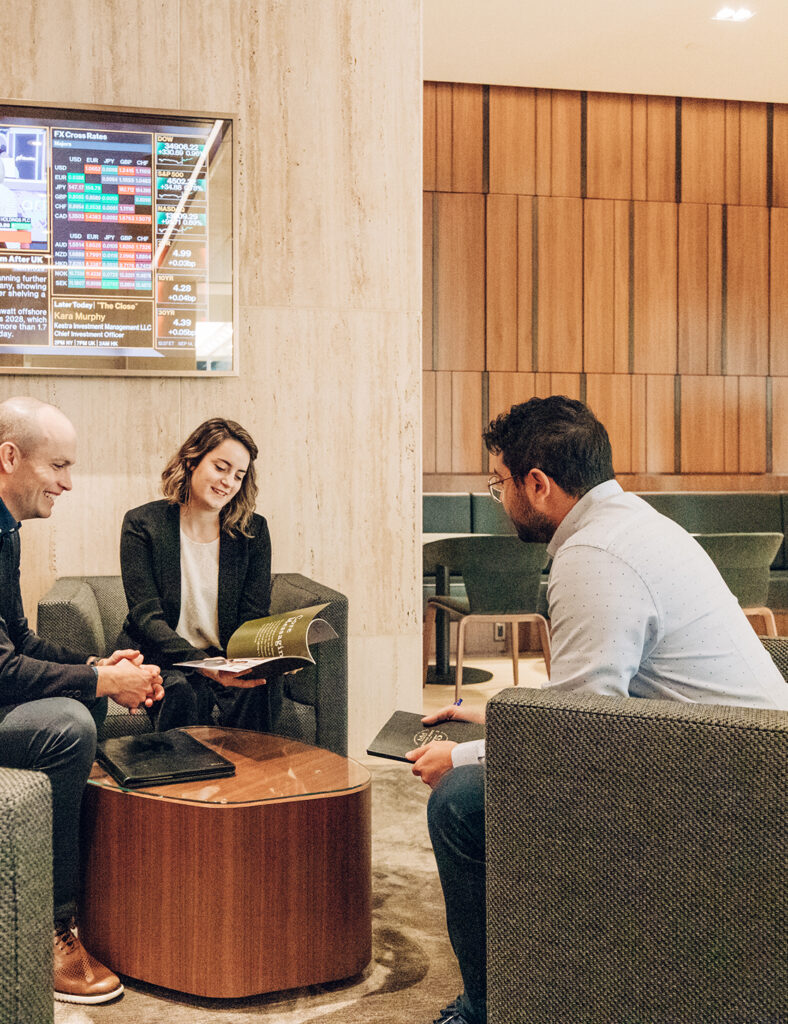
115,242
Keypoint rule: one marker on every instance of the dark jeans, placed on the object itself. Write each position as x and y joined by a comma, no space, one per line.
58,737
455,815
189,699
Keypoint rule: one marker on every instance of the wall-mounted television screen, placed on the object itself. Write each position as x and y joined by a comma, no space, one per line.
116,242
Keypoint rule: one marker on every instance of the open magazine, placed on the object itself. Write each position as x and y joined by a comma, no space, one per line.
280,640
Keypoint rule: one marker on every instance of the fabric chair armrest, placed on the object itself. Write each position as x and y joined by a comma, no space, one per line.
324,685
645,832
25,896
68,614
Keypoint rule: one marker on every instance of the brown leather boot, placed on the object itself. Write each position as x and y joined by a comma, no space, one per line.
79,977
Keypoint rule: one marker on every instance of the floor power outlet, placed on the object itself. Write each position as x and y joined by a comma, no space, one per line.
499,631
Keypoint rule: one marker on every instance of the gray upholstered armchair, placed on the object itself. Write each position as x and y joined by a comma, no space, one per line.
636,855
25,897
87,612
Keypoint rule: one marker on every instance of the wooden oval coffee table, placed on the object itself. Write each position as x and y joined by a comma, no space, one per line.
237,886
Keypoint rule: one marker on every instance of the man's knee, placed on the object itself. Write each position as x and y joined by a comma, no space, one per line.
49,732
77,726
455,813
68,734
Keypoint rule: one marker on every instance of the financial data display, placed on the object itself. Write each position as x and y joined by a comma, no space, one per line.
115,242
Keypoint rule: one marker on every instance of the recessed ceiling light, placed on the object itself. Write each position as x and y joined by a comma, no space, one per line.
729,14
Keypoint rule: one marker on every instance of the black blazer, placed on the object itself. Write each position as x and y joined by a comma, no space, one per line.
150,563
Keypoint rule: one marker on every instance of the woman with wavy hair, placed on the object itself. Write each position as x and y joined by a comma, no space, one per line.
195,566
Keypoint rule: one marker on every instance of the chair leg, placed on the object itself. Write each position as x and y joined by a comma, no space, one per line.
429,627
766,615
460,647
544,637
514,633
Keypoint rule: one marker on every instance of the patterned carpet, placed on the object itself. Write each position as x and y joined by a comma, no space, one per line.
412,974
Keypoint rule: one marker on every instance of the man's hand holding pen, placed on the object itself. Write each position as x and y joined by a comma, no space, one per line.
431,762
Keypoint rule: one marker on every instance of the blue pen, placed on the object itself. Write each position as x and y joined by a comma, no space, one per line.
458,702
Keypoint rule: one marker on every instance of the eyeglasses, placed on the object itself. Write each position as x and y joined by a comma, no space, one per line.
495,487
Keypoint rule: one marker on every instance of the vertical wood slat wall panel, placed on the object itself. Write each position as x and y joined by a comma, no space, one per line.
502,282
467,151
466,423
708,282
443,422
693,285
660,424
778,294
655,298
639,440
661,150
429,422
444,142
560,284
730,424
732,161
559,384
512,140
714,364
508,389
702,417
780,156
640,148
565,141
702,151
599,286
609,395
427,282
747,311
622,256
752,154
460,282
525,282
751,404
780,425
544,142
429,132
609,160
459,135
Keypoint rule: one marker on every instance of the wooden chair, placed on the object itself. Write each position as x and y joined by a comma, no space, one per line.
502,577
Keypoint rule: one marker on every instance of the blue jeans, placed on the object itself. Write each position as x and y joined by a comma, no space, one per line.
57,736
455,815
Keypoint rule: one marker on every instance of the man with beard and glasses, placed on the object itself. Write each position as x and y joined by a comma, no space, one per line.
636,607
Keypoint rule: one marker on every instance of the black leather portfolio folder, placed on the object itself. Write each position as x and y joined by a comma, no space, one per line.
158,758
404,732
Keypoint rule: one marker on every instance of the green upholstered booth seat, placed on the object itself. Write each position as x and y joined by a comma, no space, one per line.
697,511
446,513
725,512
488,516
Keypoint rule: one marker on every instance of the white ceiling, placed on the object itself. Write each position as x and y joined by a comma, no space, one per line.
671,48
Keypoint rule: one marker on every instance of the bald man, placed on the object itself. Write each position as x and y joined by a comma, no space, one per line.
46,691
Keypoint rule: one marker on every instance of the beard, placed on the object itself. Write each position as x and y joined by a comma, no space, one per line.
532,526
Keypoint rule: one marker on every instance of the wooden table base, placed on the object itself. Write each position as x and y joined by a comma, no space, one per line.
228,900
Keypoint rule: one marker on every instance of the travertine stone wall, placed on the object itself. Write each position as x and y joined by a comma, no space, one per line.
327,95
